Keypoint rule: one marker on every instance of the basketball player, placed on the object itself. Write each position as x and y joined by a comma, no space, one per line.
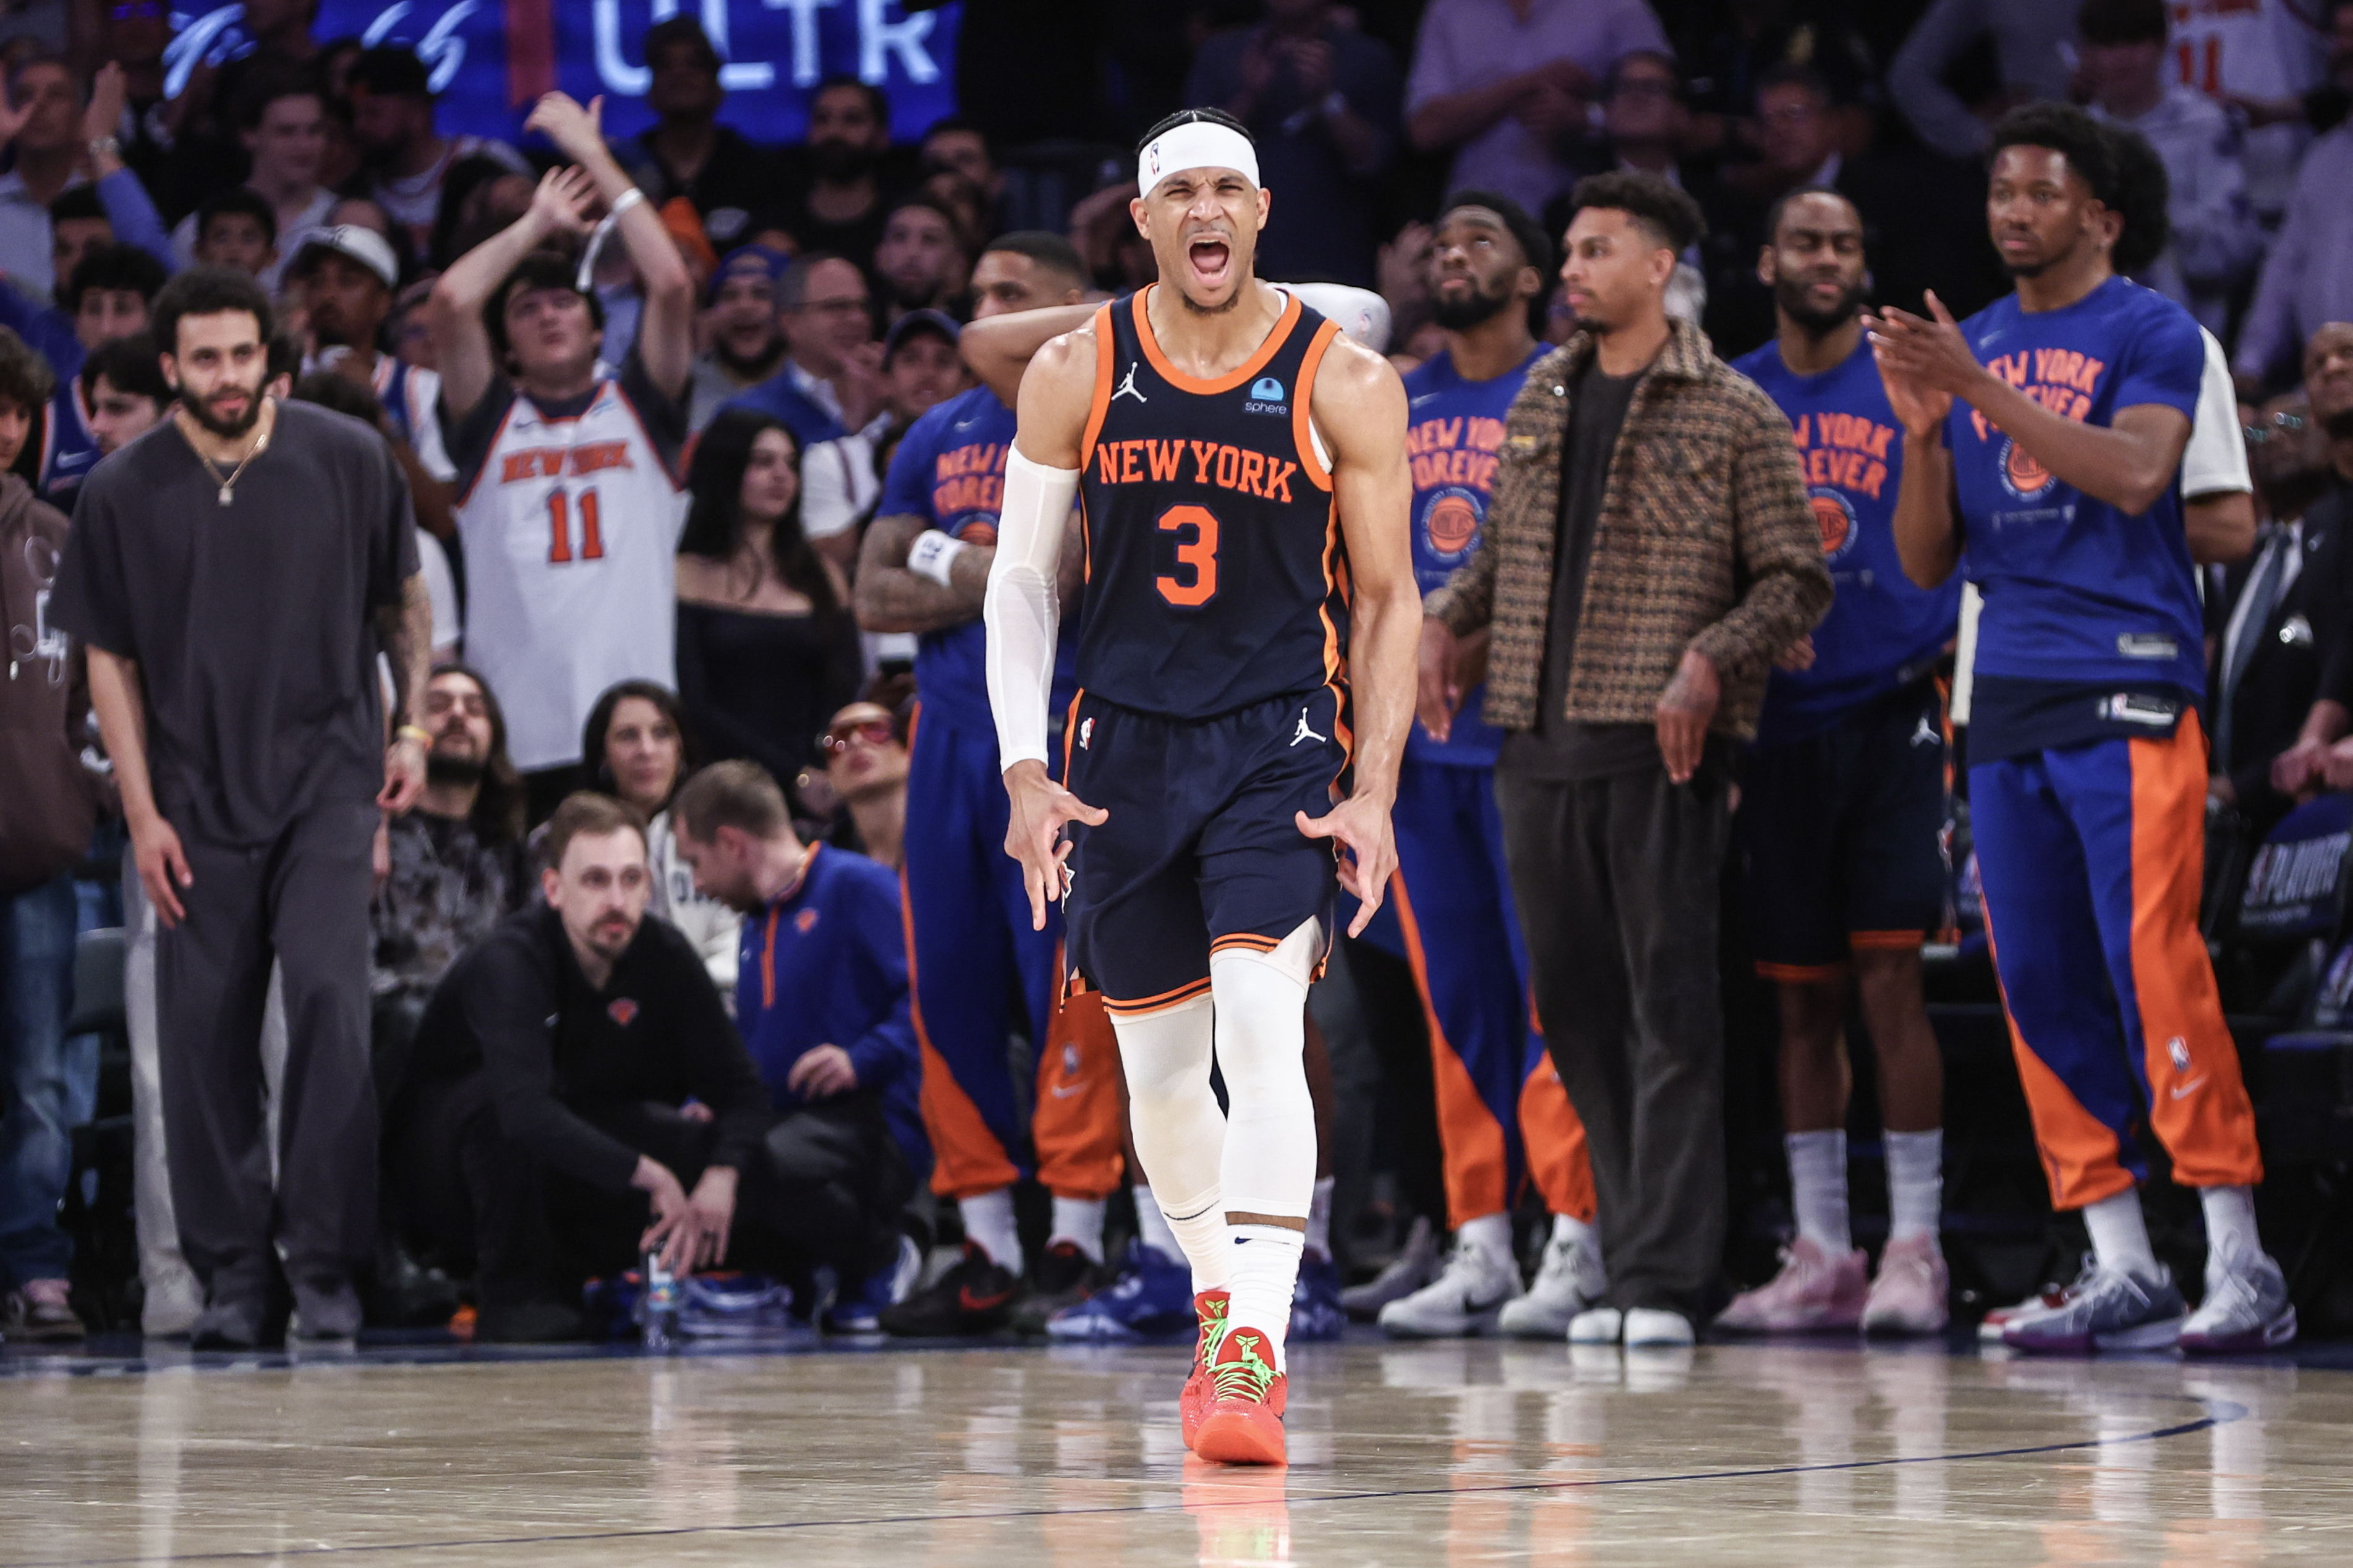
1503,1115
980,972
1245,544
1842,807
568,504
2043,440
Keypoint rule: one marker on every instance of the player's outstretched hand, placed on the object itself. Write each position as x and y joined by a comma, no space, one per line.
1034,836
1361,823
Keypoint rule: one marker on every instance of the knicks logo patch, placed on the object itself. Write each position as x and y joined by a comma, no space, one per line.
976,533
622,1010
804,920
1835,518
2021,474
1451,524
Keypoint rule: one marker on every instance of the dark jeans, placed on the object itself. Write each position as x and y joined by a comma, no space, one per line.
301,899
1617,882
36,961
825,1187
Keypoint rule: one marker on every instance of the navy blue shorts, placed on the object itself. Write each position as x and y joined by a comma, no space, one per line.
1844,836
1200,851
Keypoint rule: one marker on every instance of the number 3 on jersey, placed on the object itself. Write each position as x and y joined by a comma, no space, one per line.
1197,555
559,526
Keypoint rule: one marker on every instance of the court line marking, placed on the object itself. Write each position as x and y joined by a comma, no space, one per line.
2221,1412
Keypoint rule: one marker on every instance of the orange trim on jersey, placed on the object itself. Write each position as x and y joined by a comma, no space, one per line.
1887,940
686,450
2080,1154
1800,974
1254,943
1302,421
967,1160
1146,1007
1470,1141
1106,351
1559,1164
2198,1101
490,452
768,959
1232,378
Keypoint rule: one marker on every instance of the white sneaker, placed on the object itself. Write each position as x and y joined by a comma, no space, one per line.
1655,1328
1415,1266
2246,1308
1569,1279
1597,1326
1466,1298
1996,1322
172,1306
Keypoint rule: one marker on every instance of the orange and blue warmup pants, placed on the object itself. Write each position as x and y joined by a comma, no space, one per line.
2092,858
1503,1115
981,975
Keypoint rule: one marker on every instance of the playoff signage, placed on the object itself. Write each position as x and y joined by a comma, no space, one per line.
490,58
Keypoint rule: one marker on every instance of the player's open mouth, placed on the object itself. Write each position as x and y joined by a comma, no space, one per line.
1209,259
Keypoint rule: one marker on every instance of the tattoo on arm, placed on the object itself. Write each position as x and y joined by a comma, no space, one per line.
892,599
406,631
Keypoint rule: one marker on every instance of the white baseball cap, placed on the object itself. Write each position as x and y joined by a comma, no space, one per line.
365,246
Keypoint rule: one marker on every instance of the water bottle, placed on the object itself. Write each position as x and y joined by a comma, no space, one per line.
658,1307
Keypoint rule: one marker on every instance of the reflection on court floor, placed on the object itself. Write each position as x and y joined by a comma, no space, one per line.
1433,1453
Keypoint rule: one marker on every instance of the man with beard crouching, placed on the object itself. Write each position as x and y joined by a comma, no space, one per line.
545,1128
235,579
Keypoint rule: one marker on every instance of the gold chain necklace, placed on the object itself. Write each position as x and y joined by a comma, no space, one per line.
228,485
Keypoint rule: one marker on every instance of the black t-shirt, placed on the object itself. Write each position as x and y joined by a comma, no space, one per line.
251,623
736,191
1560,748
517,1008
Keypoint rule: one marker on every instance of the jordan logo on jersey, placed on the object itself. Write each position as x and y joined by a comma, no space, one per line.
1127,388
1305,732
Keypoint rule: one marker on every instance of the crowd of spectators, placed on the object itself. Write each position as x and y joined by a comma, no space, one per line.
745,709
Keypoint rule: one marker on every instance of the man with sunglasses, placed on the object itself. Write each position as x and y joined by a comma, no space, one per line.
866,767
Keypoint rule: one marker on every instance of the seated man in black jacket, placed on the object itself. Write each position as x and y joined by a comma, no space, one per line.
543,1124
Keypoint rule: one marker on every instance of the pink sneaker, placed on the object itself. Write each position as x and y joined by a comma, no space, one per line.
1814,1293
1912,1294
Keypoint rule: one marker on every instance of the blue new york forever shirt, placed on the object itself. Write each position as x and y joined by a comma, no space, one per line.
949,470
1453,429
826,963
1882,631
2092,626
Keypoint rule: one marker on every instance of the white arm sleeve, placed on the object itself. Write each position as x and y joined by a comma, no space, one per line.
1020,610
2215,462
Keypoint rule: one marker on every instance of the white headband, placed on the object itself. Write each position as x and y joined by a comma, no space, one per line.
1196,144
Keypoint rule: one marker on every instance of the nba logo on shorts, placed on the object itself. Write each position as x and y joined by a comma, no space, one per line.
1086,732
2177,1050
1070,1058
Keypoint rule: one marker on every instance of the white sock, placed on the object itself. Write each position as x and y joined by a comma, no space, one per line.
1491,1234
1180,1133
1915,1182
1319,1218
2119,1234
1818,1189
989,1224
1079,1221
2231,1223
1152,1226
1265,1275
1569,1227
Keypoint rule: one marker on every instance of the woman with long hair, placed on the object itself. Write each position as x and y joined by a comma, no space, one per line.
638,747
768,649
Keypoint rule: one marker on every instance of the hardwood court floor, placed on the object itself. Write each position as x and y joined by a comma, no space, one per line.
1007,1457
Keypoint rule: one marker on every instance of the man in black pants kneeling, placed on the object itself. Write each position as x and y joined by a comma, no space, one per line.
544,1125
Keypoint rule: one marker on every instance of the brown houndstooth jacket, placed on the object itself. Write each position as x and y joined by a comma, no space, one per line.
1707,540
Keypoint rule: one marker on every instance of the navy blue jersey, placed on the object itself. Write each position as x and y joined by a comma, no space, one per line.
949,470
1881,632
1453,429
1216,573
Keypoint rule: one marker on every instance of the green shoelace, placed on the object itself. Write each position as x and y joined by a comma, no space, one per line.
1213,1332
1247,1376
